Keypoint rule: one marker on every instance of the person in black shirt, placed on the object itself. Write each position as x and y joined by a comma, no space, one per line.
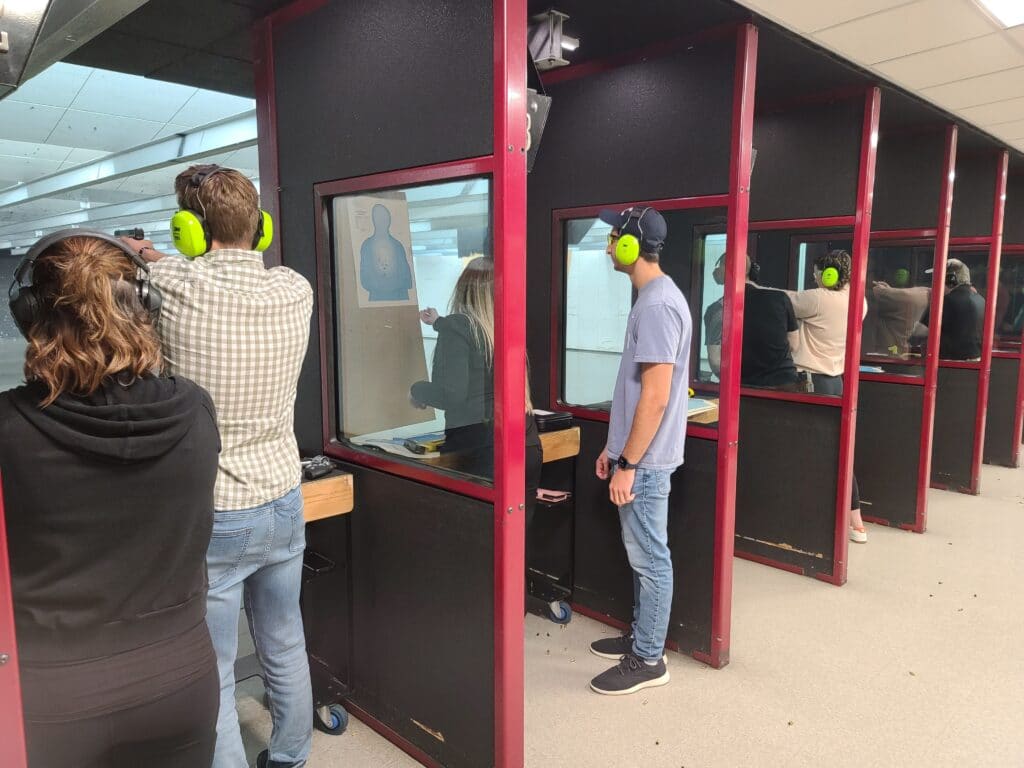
769,335
963,315
108,474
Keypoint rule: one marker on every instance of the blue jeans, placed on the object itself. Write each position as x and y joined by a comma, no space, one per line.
257,554
645,534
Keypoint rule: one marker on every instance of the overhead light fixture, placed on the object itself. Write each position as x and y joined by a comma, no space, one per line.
1008,13
547,41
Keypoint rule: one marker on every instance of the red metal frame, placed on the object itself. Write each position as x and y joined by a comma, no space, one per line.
1018,415
732,330
509,206
892,378
651,51
12,733
988,334
558,282
931,368
912,236
861,242
792,397
474,167
391,735
837,222
980,240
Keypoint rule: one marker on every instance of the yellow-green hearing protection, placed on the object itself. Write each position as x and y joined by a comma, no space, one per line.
191,233
829,277
627,249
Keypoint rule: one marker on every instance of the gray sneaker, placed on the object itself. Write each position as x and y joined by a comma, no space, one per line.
630,675
613,648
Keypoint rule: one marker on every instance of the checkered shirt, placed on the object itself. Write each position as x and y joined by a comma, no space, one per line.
240,331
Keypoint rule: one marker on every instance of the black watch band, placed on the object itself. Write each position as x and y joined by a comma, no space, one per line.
623,463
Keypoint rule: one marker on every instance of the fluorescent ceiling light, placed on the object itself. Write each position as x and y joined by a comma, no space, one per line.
570,43
1009,13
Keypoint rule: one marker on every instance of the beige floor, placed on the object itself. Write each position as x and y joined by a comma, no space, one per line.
913,663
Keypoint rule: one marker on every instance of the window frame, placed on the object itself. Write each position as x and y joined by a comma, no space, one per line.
330,323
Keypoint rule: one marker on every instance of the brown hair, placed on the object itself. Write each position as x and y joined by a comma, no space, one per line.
92,325
226,199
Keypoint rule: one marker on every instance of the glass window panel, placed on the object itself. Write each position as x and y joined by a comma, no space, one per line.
417,388
898,292
1010,303
12,345
712,293
597,304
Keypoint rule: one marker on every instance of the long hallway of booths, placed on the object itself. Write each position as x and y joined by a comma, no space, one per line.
915,662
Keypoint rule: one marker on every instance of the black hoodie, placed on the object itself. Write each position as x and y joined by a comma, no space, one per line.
109,507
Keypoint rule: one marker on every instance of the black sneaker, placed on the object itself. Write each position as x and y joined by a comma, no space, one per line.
613,648
630,675
263,761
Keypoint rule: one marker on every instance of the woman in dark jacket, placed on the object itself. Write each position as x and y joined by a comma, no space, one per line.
462,379
108,473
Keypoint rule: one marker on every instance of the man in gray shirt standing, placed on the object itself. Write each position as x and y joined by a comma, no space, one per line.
646,433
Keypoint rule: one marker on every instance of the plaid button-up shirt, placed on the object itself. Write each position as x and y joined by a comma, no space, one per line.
240,331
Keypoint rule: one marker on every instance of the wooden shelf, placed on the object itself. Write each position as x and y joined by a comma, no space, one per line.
328,496
561,444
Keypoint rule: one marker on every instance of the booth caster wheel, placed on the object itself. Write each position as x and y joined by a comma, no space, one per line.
332,719
559,612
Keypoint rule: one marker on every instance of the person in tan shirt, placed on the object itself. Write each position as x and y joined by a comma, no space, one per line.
822,313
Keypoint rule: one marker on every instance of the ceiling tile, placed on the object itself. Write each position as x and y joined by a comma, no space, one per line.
27,122
980,56
55,86
1012,130
108,132
986,89
1017,33
79,156
991,114
905,30
245,159
114,93
812,15
208,106
28,149
169,130
27,169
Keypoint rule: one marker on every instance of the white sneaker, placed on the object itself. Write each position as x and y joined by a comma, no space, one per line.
858,535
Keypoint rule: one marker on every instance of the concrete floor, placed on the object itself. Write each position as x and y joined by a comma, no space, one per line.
912,663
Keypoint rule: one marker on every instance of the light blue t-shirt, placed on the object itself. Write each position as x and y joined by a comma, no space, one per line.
658,331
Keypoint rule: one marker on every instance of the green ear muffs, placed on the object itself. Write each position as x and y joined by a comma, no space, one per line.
627,250
829,277
190,234
264,232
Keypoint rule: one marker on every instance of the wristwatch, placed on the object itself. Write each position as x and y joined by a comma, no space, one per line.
623,463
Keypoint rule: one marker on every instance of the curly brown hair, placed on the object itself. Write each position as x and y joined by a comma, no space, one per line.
92,325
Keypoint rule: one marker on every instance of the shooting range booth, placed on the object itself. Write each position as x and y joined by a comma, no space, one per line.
435,157
906,271
1005,413
979,198
814,129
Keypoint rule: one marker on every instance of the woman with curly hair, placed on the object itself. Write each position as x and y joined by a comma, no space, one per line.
108,471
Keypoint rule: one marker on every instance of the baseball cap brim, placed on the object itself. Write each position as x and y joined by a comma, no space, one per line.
615,219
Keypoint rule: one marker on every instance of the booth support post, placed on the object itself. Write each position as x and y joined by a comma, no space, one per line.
1018,411
931,371
988,330
509,228
861,242
729,391
266,130
12,731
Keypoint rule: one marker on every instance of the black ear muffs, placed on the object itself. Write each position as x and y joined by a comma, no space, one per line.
24,300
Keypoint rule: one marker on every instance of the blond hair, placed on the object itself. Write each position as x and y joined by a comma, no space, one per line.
92,325
473,297
225,198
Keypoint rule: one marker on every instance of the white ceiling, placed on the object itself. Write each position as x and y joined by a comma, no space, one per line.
949,52
69,115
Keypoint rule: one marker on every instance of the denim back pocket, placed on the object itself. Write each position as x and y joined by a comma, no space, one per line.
227,548
292,506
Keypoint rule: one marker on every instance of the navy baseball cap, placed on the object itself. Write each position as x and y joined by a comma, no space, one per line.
646,224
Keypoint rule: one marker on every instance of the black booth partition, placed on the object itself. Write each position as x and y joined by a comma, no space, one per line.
962,387
899,366
611,145
809,195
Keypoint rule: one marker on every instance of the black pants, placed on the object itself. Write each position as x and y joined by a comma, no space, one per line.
176,731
